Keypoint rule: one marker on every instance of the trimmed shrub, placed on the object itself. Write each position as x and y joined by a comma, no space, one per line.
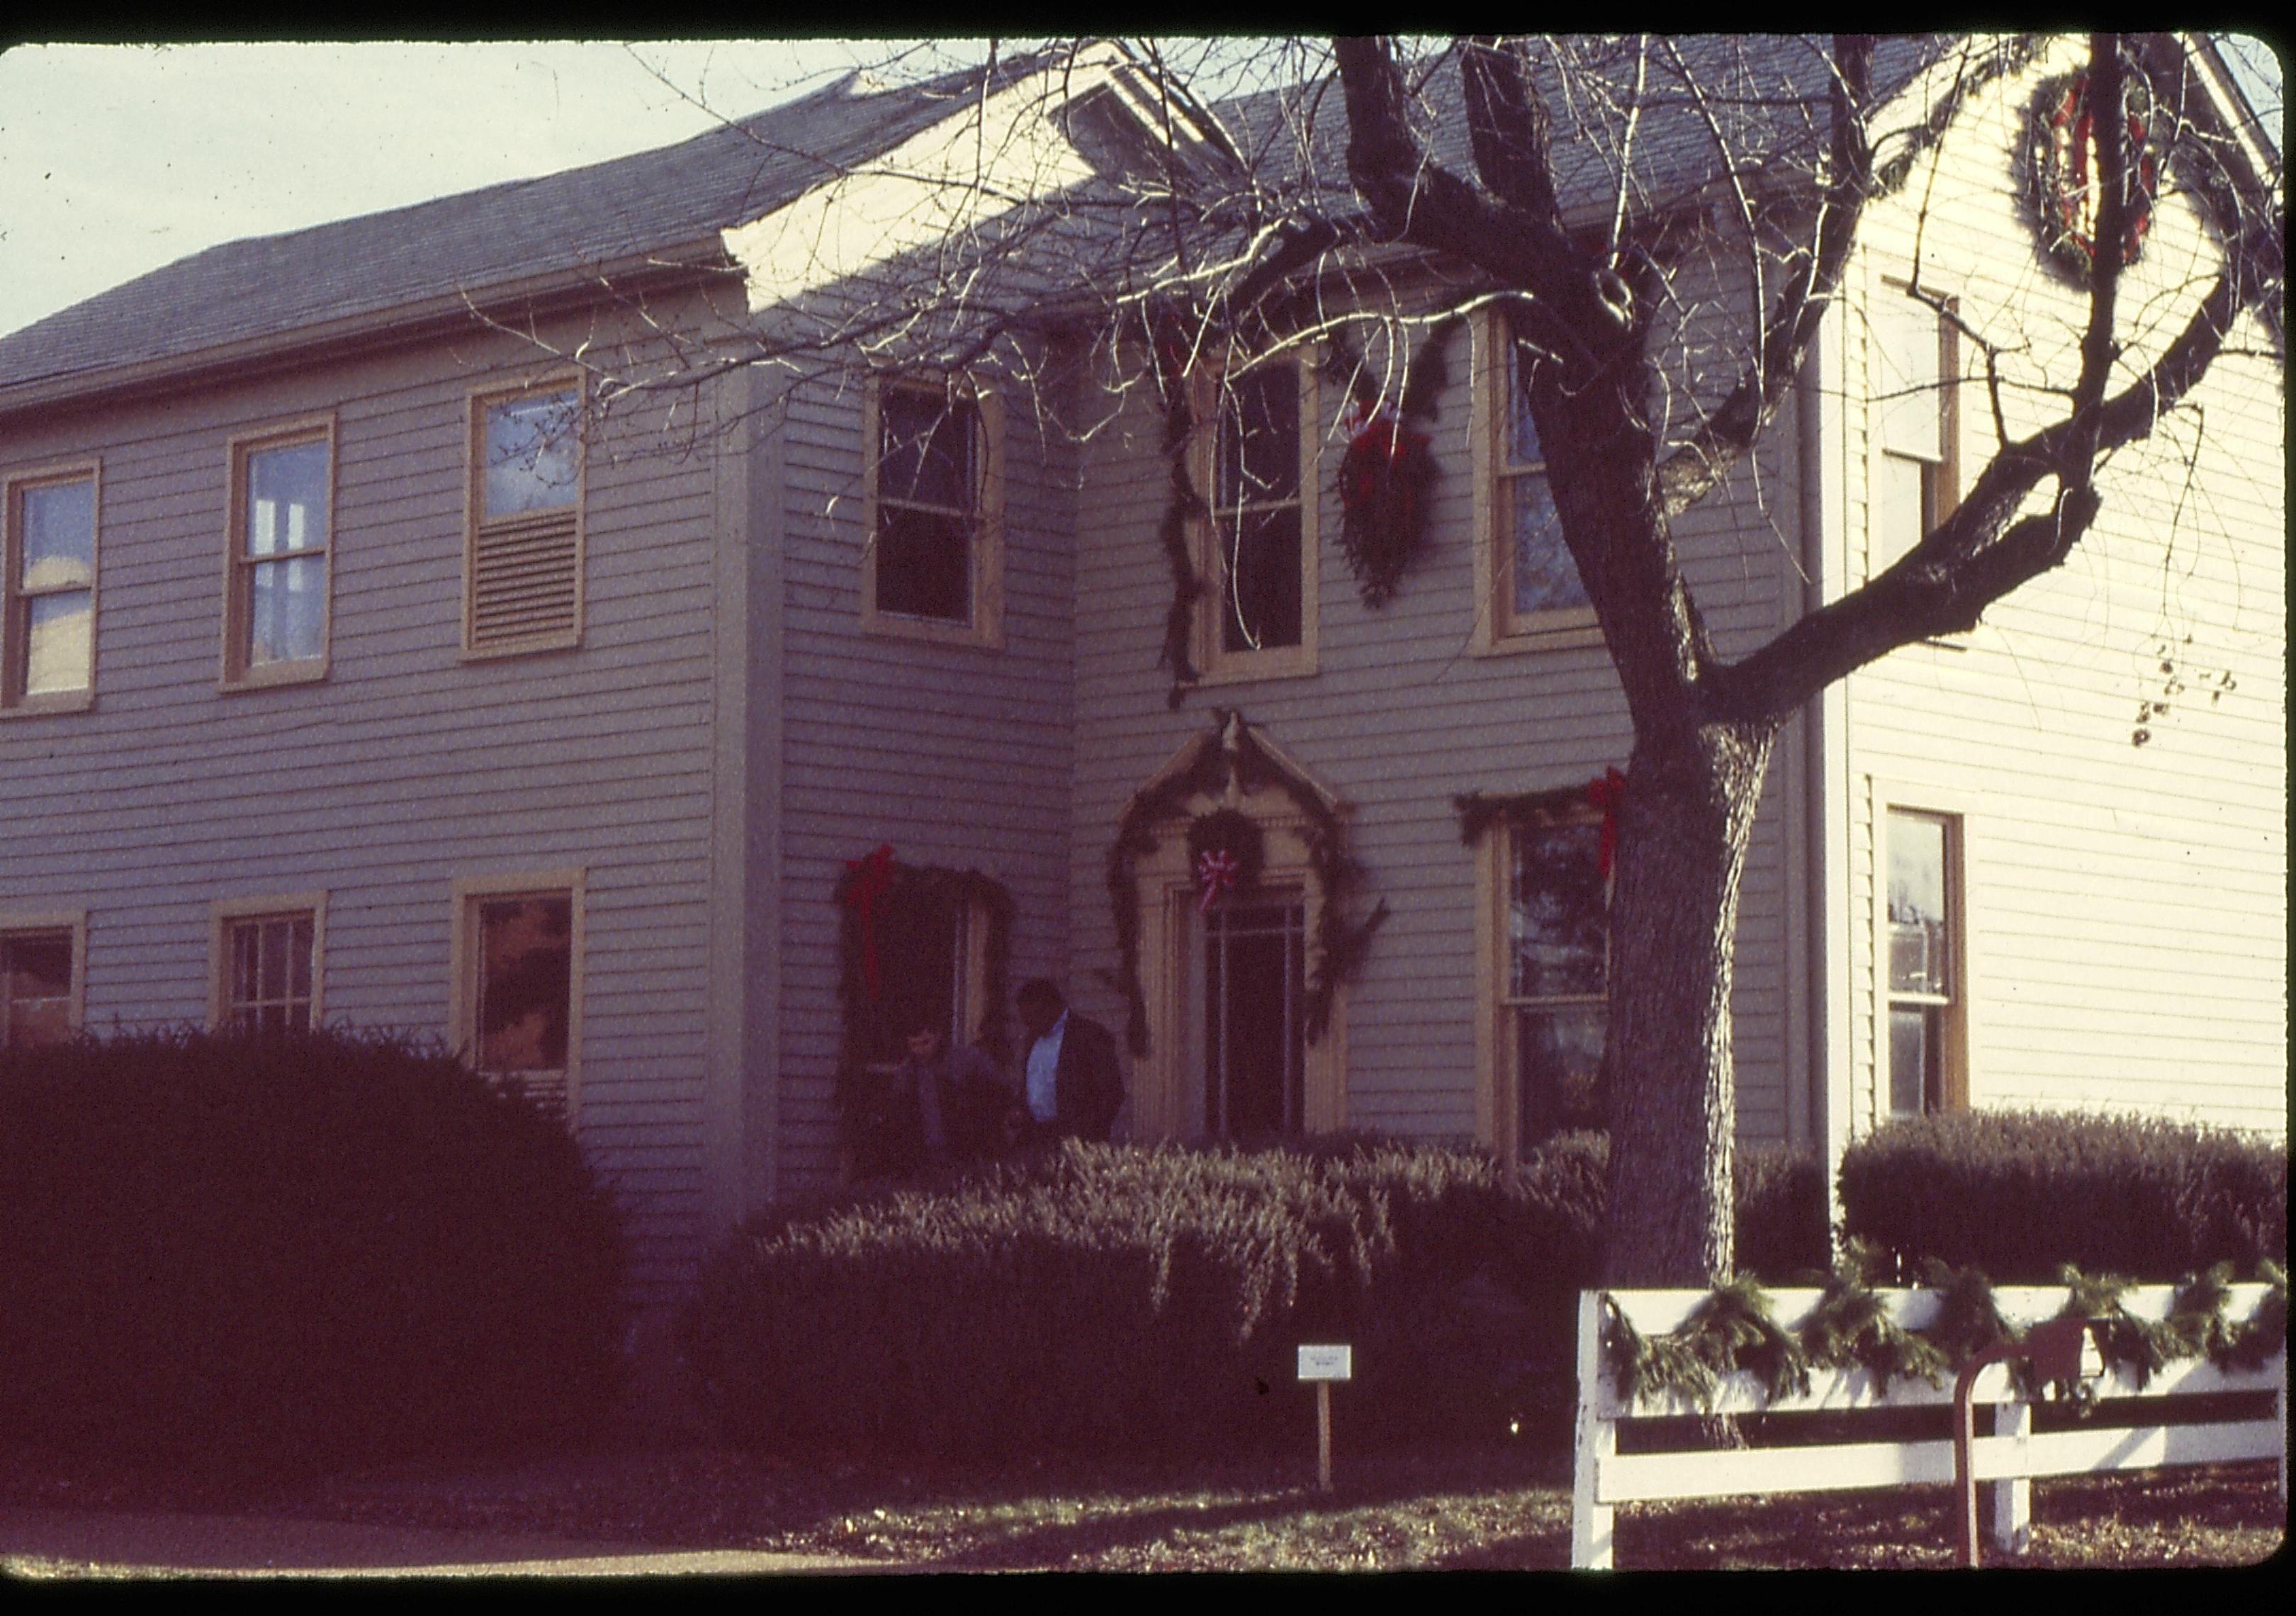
1123,1299
304,1249
2019,1194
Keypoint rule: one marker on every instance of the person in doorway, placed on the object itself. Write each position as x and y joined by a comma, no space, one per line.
1072,1086
943,1094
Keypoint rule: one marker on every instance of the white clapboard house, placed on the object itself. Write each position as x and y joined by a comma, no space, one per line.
413,621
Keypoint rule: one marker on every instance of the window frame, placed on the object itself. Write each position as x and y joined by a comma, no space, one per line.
1952,1030
1215,663
1498,630
1498,1027
16,617
985,628
224,914
468,897
1940,476
29,922
239,674
478,527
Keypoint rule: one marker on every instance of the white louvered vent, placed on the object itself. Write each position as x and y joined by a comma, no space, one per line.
525,582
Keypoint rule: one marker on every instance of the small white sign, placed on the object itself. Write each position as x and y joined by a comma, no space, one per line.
1326,1363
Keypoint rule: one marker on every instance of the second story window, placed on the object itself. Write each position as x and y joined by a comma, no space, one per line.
933,567
1912,366
523,569
47,593
1261,565
1528,588
276,600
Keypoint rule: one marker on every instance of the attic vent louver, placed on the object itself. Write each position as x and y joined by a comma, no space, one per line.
525,558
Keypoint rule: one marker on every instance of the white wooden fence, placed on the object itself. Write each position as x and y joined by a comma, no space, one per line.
1606,1478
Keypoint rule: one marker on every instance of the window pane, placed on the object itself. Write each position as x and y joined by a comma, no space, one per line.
286,610
1897,512
1545,578
1263,605
1559,917
531,463
927,451
246,963
1906,349
58,649
924,565
1919,950
287,498
1259,439
299,961
526,975
35,988
1912,1059
1559,1056
59,535
1521,442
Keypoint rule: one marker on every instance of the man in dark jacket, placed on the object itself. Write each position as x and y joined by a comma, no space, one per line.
1070,1083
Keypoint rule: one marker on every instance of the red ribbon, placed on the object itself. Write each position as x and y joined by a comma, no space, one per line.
871,888
1215,872
1606,793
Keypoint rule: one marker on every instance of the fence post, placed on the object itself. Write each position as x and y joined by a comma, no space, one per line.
1596,1440
2012,1501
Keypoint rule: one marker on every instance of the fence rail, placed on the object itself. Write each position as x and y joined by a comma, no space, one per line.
1605,1478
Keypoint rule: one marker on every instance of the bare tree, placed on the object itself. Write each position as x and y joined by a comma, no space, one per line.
1366,186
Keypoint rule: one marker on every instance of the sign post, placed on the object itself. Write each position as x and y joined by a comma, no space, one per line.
1323,1364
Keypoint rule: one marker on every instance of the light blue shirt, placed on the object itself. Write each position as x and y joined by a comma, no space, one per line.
1044,1062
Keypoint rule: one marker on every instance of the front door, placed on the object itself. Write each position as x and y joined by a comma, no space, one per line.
1255,1019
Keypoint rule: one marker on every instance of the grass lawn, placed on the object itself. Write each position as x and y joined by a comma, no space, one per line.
1503,1510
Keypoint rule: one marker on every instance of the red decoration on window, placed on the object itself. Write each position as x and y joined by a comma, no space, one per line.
1383,479
869,891
1606,793
1215,872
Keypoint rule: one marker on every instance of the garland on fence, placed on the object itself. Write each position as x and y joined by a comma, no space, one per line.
1734,1331
1229,750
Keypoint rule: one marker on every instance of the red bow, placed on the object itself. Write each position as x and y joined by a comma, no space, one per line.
1215,872
871,887
1606,793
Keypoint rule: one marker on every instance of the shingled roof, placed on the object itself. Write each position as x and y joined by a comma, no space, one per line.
672,197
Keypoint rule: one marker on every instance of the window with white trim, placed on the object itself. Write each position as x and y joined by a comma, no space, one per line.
269,976
1926,1039
47,592
38,1004
1916,359
517,983
1555,985
275,608
522,577
1527,588
933,565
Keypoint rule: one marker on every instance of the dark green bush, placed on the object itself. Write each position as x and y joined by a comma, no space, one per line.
1150,1300
304,1249
2018,1193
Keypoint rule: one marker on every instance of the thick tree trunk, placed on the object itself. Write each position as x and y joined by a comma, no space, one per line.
1684,827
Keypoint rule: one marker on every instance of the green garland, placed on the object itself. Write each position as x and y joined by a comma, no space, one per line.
1734,1331
1341,944
1523,810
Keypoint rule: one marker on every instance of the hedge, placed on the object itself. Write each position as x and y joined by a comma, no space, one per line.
1126,1299
300,1250
2018,1193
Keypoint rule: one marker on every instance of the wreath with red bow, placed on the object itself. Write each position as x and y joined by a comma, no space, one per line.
1384,478
2066,190
1225,854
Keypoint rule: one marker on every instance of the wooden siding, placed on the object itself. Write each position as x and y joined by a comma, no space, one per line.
2128,915
407,767
1399,719
956,755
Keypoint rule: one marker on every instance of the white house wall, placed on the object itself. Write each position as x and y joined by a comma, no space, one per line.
406,768
2126,903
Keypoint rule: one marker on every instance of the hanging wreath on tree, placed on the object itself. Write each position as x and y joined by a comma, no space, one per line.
1227,854
2067,186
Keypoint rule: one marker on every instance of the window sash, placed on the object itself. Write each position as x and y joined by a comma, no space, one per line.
47,586
1258,525
928,561
1525,594
35,1005
272,964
